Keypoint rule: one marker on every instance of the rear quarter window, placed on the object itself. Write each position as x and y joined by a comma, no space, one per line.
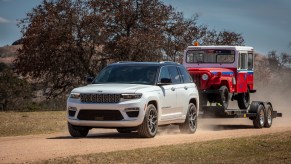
185,75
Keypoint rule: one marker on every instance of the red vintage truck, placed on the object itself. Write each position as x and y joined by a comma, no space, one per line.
223,74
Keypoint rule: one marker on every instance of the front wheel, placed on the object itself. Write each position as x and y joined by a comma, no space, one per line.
224,96
243,100
190,124
149,126
77,131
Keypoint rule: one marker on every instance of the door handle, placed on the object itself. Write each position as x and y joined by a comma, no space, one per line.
185,87
173,89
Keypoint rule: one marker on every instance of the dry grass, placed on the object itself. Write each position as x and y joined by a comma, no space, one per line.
272,148
27,123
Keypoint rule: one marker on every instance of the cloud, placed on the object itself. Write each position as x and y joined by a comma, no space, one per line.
3,20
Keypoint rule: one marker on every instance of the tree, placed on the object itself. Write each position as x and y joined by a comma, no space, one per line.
64,40
213,37
180,33
15,92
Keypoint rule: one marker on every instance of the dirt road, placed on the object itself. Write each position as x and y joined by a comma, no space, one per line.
41,147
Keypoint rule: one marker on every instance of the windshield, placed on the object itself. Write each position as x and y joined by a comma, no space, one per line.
128,74
210,56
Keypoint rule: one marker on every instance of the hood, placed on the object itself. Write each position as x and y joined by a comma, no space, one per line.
111,88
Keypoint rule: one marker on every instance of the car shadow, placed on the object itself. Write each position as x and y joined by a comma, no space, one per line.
226,127
103,136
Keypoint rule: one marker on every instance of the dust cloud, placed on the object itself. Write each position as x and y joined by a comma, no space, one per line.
280,97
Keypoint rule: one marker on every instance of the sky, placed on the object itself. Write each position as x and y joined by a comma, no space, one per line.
264,24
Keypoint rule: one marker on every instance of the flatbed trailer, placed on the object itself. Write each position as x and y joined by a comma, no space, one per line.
261,113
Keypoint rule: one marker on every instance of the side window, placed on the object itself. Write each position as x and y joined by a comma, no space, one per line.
174,75
164,73
250,61
243,61
185,75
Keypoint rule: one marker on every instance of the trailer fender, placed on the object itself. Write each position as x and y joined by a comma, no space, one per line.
255,106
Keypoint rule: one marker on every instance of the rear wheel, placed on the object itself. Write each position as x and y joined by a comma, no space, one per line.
77,131
149,126
268,116
259,120
224,96
190,124
243,100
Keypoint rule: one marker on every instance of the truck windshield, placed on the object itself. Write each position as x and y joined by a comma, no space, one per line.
210,56
128,74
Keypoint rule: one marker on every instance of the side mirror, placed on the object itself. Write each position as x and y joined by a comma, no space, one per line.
165,81
89,79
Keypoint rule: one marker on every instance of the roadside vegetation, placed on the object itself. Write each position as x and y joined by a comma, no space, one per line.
272,148
30,123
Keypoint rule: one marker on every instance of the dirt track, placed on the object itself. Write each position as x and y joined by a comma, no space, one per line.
42,147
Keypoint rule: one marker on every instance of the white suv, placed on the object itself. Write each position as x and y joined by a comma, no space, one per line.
135,96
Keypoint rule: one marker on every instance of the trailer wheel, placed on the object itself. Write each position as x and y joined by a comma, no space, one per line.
224,96
243,100
259,120
268,116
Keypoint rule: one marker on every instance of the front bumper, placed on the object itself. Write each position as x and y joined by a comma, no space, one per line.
95,120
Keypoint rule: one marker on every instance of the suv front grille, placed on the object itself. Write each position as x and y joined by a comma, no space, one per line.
197,79
100,115
100,98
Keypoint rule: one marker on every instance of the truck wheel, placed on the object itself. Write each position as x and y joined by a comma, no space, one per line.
77,131
224,96
259,120
149,127
243,100
190,124
268,116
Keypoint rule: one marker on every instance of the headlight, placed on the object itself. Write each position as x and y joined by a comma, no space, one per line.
131,95
75,95
205,77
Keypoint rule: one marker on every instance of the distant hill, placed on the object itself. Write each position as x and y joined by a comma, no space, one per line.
8,53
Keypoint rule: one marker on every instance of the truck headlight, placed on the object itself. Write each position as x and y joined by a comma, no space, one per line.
205,77
131,95
75,95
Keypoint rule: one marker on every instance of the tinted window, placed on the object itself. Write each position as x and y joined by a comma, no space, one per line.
174,75
164,73
185,75
128,74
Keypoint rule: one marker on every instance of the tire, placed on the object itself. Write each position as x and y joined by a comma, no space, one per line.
259,120
124,130
190,124
224,96
77,131
149,126
268,116
243,100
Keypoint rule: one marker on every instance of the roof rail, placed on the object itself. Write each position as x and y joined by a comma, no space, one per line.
125,62
169,62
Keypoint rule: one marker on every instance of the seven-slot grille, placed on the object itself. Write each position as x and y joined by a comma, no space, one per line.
197,79
100,98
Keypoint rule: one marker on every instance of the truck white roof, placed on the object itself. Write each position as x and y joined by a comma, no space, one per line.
239,48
